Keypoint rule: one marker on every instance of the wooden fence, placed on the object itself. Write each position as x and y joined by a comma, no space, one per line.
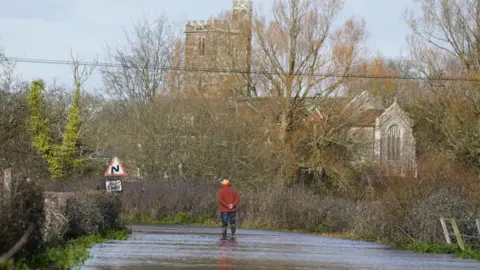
457,232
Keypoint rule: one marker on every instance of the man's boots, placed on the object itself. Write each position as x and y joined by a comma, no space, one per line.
224,232
233,228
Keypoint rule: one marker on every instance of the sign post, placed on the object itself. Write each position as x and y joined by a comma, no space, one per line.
115,169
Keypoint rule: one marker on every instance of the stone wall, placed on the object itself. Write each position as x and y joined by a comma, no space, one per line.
56,220
74,214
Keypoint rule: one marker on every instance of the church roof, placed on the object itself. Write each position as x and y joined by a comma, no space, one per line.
364,115
367,118
395,109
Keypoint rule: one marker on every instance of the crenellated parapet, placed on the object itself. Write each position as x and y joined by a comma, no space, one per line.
203,25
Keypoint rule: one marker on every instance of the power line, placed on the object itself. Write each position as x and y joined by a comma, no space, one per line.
212,70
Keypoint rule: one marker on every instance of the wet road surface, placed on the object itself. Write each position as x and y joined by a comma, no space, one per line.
184,247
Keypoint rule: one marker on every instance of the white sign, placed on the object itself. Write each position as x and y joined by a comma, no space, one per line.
115,168
113,186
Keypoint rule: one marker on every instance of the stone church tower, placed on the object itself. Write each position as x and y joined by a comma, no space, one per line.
218,53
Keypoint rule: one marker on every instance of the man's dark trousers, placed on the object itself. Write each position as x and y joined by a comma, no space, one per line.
228,217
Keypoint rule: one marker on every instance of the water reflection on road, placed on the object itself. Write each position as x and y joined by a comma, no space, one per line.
183,247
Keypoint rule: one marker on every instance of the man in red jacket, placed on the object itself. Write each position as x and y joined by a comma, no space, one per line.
228,199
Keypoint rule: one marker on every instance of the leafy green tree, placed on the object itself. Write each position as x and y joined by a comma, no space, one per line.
60,157
40,126
71,133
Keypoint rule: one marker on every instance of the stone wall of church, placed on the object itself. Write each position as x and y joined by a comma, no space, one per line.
394,142
363,138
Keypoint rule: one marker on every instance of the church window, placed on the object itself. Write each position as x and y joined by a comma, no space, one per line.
393,142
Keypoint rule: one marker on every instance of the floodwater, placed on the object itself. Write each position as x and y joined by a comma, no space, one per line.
199,248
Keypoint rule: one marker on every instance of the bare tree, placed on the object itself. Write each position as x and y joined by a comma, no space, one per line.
6,72
384,84
446,43
302,56
136,70
81,73
447,26
174,80
137,74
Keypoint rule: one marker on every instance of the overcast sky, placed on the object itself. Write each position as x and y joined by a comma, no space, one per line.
48,29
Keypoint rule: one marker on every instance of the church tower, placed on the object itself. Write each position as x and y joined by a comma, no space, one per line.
218,53
242,14
242,10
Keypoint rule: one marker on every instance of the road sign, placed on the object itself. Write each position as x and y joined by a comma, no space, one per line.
113,186
115,168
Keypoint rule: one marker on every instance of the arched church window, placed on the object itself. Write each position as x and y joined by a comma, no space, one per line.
393,142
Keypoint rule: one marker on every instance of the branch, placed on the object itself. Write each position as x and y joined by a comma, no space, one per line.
81,76
18,245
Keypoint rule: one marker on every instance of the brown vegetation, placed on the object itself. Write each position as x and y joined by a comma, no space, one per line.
393,210
23,209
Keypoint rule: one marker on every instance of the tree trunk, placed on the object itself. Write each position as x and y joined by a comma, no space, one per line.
283,127
477,34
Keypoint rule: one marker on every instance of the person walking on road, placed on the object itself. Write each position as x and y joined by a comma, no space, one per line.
229,200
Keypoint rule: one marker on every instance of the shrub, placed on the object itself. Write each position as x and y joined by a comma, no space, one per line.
422,220
24,208
110,207
181,201
373,221
409,208
165,198
92,213
297,209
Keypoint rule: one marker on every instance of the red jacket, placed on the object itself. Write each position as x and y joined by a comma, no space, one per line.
227,196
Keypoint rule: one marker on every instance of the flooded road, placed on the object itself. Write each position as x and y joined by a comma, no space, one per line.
183,247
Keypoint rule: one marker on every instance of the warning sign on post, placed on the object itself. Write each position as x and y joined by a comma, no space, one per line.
115,168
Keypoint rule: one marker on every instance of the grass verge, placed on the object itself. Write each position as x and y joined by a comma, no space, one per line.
73,254
177,219
425,247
